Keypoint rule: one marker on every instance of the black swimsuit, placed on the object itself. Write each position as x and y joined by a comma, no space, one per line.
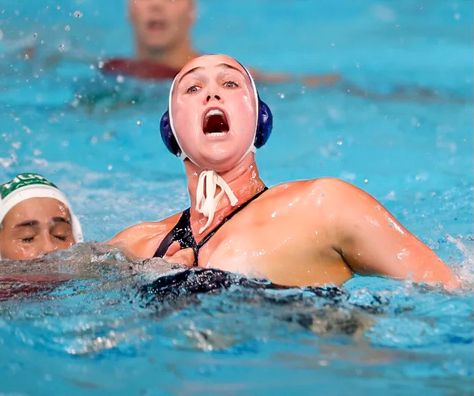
183,234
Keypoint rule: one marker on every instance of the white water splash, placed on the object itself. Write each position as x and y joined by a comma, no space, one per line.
464,269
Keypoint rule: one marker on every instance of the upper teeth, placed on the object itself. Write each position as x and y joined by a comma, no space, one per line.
214,112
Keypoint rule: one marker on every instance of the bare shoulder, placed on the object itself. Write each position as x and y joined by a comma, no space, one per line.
320,188
345,198
328,201
140,239
334,185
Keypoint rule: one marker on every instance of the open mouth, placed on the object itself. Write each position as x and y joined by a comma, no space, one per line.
156,24
215,121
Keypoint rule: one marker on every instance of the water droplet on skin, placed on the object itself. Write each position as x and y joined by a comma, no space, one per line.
402,254
392,224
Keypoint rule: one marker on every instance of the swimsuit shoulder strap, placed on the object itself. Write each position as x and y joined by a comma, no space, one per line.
181,233
227,218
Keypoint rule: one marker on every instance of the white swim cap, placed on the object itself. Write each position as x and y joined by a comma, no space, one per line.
31,185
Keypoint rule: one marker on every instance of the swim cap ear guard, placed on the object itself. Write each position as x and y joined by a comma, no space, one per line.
264,129
167,134
264,124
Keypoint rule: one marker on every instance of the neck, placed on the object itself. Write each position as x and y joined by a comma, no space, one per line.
176,56
243,179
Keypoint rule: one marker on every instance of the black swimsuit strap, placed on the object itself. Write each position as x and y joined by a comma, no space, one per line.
227,218
183,234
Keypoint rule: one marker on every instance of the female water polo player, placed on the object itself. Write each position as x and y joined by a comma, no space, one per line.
312,232
35,218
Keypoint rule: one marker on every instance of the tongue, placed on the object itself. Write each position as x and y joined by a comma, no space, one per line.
215,123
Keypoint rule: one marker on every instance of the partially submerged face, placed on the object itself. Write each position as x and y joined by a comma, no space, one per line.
161,24
213,107
35,227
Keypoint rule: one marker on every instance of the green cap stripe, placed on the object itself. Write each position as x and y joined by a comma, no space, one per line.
23,180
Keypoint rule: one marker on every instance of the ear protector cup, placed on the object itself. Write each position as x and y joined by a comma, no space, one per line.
167,135
264,124
264,129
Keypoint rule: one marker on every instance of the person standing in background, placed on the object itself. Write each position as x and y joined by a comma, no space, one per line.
163,44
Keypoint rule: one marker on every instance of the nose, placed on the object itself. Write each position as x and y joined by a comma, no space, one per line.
156,5
213,97
48,245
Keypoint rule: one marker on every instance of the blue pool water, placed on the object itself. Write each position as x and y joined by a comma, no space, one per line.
408,142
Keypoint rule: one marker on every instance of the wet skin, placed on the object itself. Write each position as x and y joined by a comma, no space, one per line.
35,227
301,233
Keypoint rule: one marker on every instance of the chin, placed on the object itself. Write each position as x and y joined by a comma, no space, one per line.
156,46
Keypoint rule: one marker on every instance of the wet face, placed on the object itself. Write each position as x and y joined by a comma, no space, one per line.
214,112
35,227
161,24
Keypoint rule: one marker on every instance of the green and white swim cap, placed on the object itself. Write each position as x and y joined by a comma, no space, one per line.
32,185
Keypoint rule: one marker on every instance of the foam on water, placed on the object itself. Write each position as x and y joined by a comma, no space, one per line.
100,307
